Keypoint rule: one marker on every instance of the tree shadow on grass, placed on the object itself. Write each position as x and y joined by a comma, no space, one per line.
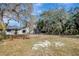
70,36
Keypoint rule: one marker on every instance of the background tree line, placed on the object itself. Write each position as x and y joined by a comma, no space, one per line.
59,22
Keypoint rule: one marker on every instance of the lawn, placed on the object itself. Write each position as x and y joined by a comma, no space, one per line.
23,47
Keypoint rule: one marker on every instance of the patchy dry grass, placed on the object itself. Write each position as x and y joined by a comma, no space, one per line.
24,47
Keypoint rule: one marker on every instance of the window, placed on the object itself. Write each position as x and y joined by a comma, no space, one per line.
24,31
8,30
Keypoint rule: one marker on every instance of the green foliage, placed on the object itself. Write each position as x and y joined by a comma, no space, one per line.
40,24
59,22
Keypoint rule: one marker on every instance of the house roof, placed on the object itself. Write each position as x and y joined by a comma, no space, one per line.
14,28
2,26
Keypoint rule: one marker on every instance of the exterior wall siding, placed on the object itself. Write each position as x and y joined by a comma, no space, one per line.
19,32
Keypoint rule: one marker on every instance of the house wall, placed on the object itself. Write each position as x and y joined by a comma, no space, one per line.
10,32
21,31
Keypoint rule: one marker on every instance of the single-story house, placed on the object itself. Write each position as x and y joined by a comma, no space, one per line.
14,31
